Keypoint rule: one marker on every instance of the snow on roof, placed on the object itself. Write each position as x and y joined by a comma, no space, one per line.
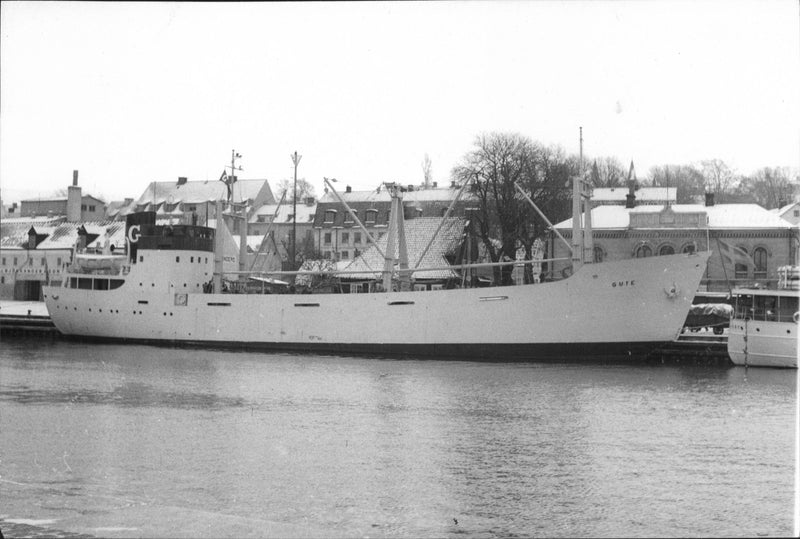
305,213
418,232
60,235
198,192
382,194
732,216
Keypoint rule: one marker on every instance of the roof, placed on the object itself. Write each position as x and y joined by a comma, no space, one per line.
720,216
439,194
198,192
120,207
305,213
643,194
418,233
61,235
59,199
432,202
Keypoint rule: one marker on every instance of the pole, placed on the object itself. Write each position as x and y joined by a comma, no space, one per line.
295,159
218,247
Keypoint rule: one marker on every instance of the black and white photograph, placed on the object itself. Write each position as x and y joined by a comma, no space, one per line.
401,269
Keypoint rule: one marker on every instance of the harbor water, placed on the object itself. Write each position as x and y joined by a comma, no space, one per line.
141,441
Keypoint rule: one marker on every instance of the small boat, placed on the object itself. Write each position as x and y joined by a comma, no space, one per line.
763,330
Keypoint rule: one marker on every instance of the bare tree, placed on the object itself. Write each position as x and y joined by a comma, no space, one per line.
719,178
608,172
304,188
498,161
769,187
688,180
427,173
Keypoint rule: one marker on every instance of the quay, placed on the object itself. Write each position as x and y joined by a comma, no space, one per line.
25,318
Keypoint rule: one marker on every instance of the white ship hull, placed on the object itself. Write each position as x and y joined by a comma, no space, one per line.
757,343
621,309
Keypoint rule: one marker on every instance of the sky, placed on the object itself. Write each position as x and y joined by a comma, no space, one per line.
129,93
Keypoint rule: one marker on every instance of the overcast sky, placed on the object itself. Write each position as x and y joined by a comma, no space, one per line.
128,93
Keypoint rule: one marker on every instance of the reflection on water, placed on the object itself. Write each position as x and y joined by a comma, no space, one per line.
129,441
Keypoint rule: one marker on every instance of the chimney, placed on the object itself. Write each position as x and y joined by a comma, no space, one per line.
709,199
74,199
630,198
348,189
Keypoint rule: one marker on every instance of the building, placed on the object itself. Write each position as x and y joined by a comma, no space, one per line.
338,237
76,207
194,201
278,222
620,232
789,212
446,250
35,251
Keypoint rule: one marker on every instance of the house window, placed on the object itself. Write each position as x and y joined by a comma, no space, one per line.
740,270
372,216
599,254
643,251
58,261
330,216
261,219
4,261
15,260
356,237
420,288
355,288
345,238
2,279
83,207
44,261
91,208
327,239
760,260
666,250
345,255
349,218
326,255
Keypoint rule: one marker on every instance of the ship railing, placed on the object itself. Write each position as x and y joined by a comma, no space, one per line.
450,267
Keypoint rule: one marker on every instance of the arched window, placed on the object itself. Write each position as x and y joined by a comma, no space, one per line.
740,270
666,250
689,248
643,251
599,254
760,260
